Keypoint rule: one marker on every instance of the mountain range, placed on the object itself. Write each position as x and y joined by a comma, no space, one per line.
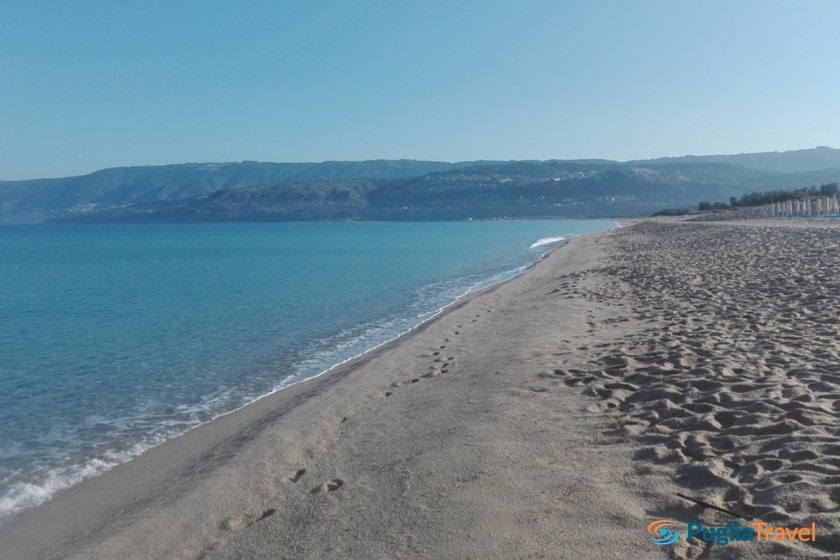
407,189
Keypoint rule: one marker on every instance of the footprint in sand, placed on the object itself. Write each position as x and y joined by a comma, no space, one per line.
329,486
536,389
404,382
439,367
296,475
556,374
245,521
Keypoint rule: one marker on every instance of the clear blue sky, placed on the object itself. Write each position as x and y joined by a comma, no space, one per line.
91,84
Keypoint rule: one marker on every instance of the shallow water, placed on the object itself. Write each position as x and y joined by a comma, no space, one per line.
115,338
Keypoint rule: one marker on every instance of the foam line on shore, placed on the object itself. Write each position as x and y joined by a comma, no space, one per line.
26,495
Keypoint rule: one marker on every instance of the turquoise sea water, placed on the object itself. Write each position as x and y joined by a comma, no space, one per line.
115,338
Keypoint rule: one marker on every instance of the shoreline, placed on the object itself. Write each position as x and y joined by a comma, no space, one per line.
305,385
478,288
557,414
170,468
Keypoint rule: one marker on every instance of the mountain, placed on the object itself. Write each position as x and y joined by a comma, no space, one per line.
407,189
533,189
43,199
486,190
794,161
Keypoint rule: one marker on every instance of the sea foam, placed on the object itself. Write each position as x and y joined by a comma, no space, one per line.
24,495
546,241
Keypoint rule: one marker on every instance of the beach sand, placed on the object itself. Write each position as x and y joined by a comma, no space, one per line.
553,416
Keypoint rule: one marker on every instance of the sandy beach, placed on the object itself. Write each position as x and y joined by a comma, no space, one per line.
553,416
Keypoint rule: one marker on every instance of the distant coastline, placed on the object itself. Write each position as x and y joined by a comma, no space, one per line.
406,190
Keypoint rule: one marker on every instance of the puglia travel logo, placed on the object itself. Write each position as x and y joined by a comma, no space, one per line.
664,532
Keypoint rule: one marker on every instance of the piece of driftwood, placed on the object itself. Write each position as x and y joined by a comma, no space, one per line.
714,507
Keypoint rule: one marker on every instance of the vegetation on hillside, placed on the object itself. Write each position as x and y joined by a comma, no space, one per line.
769,197
753,199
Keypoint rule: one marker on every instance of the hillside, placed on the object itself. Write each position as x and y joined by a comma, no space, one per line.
406,189
304,201
794,161
43,199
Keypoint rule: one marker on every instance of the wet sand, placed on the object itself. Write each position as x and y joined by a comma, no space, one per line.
553,416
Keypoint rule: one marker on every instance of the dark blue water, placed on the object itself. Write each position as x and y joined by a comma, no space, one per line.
116,338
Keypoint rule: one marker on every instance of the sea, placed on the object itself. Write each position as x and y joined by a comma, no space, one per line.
115,338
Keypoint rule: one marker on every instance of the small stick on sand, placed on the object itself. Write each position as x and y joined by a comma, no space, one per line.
708,505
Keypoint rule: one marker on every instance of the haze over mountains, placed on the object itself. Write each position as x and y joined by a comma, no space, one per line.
406,189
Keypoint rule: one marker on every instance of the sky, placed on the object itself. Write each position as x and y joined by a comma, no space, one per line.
89,84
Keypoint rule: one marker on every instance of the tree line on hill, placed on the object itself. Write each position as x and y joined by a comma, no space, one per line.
769,197
756,199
